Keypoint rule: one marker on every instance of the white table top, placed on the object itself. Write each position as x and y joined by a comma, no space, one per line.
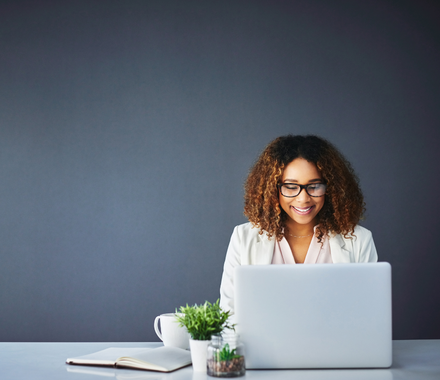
412,359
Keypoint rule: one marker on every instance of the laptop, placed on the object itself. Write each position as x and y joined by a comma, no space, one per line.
314,316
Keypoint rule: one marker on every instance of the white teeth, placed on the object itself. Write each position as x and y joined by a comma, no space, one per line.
302,209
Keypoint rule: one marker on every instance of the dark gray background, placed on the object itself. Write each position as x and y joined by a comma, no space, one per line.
127,129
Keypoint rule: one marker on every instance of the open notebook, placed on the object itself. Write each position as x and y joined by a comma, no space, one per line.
162,359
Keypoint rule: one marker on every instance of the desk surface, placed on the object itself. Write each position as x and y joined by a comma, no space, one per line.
412,359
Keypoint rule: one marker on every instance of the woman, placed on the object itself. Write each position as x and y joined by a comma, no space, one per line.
304,203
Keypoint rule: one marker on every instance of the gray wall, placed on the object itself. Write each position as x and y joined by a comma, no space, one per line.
127,129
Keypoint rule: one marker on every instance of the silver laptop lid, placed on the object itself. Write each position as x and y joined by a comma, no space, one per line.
315,316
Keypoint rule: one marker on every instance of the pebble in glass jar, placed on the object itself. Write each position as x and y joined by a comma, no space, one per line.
226,356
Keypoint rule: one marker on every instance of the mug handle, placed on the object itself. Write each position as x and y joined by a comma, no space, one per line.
156,327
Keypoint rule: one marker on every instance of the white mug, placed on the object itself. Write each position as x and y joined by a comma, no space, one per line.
172,334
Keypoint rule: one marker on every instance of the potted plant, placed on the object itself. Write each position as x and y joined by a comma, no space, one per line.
226,356
202,321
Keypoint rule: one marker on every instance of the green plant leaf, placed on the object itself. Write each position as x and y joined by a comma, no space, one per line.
227,354
202,321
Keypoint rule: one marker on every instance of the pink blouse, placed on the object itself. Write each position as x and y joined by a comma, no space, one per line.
317,253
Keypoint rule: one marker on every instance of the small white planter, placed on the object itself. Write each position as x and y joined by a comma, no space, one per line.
199,350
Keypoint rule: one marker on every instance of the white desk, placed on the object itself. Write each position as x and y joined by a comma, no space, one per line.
412,359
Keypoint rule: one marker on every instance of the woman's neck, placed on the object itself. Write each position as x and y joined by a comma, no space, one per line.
295,229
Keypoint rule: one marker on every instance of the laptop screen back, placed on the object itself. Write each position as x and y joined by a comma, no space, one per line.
315,316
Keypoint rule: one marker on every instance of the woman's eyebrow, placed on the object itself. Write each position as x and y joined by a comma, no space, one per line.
311,180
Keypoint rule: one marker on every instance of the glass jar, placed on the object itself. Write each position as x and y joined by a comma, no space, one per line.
226,356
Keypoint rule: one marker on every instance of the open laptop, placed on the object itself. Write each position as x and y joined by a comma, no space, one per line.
315,316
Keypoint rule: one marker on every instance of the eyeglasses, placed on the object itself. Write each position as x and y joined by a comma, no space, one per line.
291,190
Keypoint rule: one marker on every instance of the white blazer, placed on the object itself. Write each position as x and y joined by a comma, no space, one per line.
248,247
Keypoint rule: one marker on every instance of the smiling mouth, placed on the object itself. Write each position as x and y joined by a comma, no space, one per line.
302,211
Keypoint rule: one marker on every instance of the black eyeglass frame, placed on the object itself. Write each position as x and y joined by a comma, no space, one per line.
305,187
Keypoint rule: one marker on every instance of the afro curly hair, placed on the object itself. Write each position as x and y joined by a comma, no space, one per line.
344,204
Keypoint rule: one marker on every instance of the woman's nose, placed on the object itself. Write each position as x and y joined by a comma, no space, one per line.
303,196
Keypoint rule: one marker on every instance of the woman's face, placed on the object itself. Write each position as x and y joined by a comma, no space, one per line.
302,209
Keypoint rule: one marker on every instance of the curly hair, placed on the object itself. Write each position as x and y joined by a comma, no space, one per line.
344,203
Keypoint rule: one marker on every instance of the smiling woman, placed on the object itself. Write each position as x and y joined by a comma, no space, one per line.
301,207
304,203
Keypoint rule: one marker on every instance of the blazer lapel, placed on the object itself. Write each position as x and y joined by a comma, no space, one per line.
338,250
262,251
